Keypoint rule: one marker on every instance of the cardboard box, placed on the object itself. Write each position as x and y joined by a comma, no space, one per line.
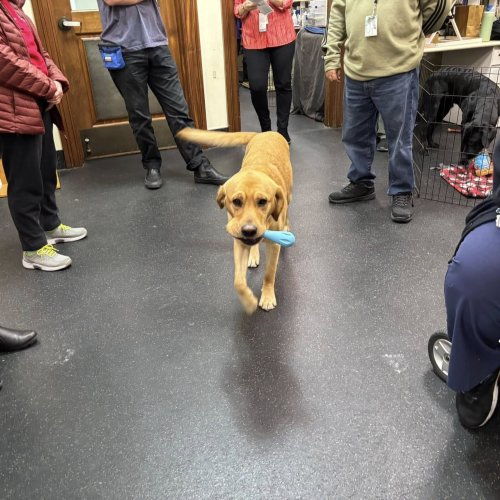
468,19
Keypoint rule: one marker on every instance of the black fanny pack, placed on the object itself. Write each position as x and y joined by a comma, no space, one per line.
111,56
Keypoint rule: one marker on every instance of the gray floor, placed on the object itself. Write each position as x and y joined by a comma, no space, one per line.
150,382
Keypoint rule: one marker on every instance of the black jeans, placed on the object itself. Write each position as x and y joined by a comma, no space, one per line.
30,167
258,62
155,67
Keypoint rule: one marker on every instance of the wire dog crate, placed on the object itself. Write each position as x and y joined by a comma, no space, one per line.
455,132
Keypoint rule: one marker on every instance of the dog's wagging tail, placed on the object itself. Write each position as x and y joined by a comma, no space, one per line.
216,139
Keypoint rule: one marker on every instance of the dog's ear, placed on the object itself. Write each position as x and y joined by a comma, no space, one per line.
221,197
279,203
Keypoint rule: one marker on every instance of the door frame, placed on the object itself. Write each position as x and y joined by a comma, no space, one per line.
231,66
184,43
334,95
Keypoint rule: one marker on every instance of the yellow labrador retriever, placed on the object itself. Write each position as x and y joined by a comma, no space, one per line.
256,199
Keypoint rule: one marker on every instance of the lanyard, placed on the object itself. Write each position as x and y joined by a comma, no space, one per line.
375,4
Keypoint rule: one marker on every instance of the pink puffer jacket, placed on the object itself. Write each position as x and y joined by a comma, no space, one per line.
22,85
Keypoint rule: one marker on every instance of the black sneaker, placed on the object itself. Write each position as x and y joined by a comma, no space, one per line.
351,193
153,178
477,406
402,207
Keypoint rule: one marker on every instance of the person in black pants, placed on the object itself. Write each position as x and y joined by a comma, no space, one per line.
269,42
473,311
280,59
136,29
31,86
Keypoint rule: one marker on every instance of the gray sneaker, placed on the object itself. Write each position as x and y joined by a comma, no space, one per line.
65,234
45,259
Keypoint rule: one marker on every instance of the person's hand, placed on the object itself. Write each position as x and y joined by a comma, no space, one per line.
249,6
334,75
57,98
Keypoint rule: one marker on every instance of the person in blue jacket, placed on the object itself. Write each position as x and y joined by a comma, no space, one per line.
472,295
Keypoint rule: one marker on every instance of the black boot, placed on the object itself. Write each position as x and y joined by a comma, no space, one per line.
206,174
14,340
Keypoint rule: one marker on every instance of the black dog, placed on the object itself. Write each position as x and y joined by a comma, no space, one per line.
477,96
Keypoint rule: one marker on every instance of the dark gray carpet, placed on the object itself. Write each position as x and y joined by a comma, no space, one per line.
150,382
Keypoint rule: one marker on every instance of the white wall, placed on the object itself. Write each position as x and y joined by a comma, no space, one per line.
28,8
212,53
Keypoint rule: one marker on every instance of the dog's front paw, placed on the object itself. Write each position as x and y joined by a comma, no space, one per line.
268,300
249,304
254,256
247,298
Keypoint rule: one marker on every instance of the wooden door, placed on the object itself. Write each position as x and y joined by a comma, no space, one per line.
93,111
334,93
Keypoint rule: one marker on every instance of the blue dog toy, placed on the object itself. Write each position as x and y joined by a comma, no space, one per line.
283,238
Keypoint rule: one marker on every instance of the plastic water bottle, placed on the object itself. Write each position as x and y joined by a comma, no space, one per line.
487,23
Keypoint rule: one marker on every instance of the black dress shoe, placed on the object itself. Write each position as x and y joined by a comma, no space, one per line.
206,174
153,178
14,340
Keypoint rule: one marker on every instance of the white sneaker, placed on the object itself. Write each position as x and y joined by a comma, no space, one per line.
45,259
65,234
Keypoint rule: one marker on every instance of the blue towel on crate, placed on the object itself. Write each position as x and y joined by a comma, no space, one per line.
316,30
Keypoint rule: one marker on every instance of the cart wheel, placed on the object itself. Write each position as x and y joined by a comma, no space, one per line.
439,348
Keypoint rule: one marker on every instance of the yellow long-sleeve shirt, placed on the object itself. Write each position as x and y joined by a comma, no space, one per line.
399,44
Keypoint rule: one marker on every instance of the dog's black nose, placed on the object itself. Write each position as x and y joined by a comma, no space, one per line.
248,231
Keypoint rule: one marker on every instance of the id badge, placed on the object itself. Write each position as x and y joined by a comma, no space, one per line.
262,22
370,26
